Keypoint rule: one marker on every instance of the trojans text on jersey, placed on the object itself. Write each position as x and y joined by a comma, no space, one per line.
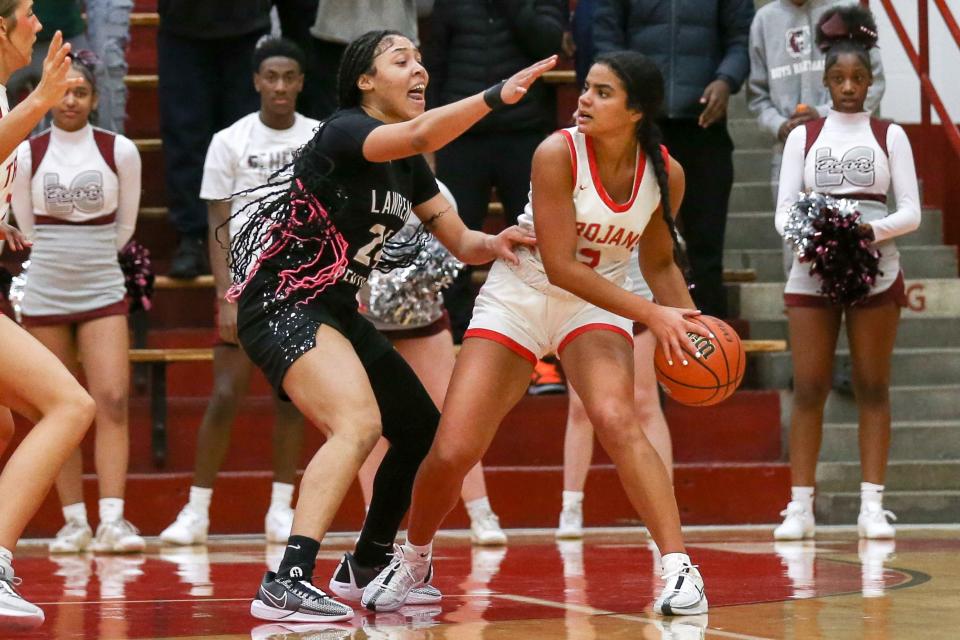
608,234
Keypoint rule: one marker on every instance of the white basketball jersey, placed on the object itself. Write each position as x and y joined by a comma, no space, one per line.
8,168
608,232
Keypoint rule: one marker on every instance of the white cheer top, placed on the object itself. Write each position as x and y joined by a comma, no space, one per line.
75,183
847,160
608,232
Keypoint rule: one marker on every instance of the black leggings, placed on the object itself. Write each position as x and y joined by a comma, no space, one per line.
410,421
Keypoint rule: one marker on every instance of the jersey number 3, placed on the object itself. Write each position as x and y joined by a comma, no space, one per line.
590,257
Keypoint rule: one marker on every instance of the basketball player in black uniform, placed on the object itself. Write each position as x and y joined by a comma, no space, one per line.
305,252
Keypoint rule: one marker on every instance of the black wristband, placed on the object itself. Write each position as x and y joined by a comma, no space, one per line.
493,97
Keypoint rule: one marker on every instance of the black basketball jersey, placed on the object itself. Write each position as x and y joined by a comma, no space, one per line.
377,198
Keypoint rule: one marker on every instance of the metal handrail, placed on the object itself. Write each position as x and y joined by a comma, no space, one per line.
921,64
950,21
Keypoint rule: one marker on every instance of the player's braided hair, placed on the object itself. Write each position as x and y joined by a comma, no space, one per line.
357,60
298,223
848,29
644,84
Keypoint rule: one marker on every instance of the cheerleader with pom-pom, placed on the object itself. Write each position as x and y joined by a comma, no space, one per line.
76,195
846,155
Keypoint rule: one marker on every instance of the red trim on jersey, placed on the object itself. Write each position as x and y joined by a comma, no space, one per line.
875,197
877,126
598,185
593,326
110,218
666,158
812,130
38,149
573,153
119,308
105,141
499,338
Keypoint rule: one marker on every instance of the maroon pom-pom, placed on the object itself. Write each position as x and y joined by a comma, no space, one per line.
138,275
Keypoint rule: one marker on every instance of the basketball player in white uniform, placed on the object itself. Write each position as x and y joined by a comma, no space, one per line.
76,196
243,157
32,381
568,297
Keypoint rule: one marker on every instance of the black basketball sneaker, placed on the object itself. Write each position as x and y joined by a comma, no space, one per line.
292,600
350,579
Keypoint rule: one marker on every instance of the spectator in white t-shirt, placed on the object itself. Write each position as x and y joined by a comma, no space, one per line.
241,158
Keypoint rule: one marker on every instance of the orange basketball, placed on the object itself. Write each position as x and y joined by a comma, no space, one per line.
711,378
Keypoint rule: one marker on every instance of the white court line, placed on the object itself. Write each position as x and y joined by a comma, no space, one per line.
592,611
338,536
201,600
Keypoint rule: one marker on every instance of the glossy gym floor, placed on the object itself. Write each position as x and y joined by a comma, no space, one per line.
834,588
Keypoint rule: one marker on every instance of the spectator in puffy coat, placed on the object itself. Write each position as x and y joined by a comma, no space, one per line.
701,48
473,44
203,63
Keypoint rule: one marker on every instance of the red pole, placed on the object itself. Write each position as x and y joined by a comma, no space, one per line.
923,40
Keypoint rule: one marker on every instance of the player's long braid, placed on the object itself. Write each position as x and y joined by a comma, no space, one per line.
644,84
358,59
298,223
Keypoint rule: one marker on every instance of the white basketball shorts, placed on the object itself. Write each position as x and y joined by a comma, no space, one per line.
532,323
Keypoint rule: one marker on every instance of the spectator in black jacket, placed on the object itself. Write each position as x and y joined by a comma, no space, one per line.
701,47
472,44
203,59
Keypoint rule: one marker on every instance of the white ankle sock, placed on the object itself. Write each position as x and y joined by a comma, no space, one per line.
281,495
111,509
803,495
423,551
200,501
478,507
76,512
871,494
572,499
6,555
673,561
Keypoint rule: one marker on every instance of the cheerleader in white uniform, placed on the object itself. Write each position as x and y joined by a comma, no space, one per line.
568,297
76,197
849,155
32,381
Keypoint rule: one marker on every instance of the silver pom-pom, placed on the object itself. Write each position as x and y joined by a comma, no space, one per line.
804,217
17,286
413,296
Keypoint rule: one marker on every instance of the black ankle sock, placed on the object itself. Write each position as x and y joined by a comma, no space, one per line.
299,558
370,553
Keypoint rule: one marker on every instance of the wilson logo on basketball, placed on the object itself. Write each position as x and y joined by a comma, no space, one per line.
703,345
714,375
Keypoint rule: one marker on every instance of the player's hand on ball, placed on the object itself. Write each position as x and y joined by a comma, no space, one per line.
504,244
670,325
516,86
